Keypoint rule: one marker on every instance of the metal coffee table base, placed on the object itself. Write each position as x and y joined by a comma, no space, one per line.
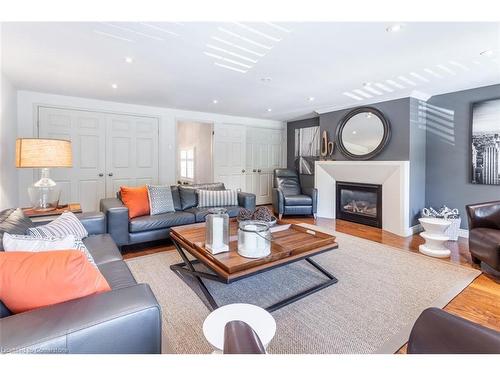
187,267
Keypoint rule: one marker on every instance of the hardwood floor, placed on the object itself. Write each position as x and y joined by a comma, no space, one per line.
479,302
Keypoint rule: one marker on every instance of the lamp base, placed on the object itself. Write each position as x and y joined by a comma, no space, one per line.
45,193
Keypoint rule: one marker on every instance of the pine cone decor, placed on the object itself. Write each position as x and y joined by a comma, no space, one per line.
263,214
245,214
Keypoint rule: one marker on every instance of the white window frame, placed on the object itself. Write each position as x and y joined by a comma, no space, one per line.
183,174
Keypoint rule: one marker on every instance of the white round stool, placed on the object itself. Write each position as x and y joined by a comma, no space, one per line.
435,237
256,317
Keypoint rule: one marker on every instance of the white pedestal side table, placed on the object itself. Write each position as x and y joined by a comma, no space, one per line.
435,237
256,317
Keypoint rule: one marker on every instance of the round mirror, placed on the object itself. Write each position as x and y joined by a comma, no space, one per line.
363,133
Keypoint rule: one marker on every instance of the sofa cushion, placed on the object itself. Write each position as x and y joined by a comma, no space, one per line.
117,274
298,200
136,199
176,197
32,280
219,198
13,221
189,196
160,199
66,223
200,213
102,248
170,219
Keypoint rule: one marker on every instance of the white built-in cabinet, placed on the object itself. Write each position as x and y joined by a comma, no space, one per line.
245,157
109,150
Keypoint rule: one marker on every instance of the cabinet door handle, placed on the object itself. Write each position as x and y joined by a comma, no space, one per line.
255,170
101,174
110,174
258,170
243,171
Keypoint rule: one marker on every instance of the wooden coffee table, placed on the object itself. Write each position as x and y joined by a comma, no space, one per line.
291,243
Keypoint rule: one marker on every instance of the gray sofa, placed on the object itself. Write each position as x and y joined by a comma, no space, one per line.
126,319
157,227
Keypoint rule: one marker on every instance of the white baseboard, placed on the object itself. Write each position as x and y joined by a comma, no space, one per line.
418,228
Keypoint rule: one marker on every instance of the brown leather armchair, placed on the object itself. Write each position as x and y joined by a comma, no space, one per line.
240,338
484,233
439,332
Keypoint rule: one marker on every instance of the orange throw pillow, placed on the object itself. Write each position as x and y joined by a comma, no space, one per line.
136,199
31,280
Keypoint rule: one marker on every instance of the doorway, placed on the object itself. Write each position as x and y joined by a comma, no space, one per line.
194,152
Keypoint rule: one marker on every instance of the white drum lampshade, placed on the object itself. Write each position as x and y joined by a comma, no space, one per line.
44,154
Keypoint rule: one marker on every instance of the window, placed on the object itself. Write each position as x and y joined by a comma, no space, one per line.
187,164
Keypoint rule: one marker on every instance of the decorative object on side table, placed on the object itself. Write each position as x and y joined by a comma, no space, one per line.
44,154
435,237
217,231
259,214
452,215
254,239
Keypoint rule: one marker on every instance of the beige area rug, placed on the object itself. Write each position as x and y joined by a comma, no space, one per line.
380,293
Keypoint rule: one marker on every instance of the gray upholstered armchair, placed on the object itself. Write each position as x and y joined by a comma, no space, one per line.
289,198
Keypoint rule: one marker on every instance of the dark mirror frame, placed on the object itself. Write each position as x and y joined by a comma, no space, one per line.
346,118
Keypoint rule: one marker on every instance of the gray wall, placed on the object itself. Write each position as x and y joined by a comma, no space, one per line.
398,114
448,165
418,141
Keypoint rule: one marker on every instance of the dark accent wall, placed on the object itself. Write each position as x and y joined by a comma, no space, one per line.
448,161
396,111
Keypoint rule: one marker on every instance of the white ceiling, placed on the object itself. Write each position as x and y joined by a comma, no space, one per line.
303,60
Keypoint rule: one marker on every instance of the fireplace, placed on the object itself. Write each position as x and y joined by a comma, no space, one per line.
360,203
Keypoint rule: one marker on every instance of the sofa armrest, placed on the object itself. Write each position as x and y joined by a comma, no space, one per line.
246,200
313,193
117,219
438,332
126,320
484,215
278,201
94,222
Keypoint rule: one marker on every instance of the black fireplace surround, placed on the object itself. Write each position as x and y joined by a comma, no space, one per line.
359,203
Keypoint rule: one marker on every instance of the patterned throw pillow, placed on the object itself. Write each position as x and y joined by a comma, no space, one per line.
217,198
65,224
160,199
15,242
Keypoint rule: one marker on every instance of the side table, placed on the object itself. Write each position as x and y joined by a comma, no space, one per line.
435,237
46,216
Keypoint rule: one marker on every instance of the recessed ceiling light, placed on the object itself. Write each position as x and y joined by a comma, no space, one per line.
311,98
488,52
114,85
394,28
215,101
266,79
269,110
354,132
129,60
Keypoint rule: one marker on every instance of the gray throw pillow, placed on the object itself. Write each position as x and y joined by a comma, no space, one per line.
160,199
13,221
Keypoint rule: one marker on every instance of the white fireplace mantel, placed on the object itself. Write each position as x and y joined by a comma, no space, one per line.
394,176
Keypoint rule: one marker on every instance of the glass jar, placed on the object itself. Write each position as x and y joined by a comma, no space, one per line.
254,239
217,231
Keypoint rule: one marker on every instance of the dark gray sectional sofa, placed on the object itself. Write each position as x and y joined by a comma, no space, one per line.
157,227
126,319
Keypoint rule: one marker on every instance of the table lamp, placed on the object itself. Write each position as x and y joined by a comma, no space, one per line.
43,154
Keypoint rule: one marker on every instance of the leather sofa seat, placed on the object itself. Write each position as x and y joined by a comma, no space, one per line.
298,200
167,220
201,213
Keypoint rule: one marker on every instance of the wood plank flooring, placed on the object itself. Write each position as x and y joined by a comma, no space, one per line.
479,302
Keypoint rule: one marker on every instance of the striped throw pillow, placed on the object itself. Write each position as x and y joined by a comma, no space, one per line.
65,224
17,242
217,198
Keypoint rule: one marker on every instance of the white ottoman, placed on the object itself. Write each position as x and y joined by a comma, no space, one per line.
256,317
